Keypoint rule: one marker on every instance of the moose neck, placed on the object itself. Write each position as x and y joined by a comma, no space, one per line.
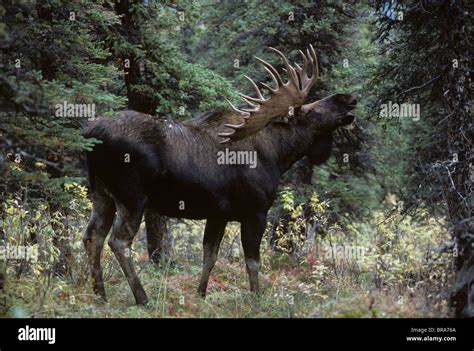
291,142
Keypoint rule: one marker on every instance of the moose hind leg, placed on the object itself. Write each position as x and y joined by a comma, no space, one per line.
157,236
213,234
124,229
102,216
252,230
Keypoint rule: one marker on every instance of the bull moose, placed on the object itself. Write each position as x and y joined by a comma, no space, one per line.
171,168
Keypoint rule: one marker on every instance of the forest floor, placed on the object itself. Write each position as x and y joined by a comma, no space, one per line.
397,279
287,292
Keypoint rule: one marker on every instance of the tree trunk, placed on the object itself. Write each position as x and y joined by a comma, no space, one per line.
134,67
3,269
458,189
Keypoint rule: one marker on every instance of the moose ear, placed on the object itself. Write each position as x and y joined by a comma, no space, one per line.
312,107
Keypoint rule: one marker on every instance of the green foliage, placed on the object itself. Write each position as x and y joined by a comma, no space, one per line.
299,220
342,245
54,59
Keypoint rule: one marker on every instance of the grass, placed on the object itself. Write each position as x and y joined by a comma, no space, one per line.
287,292
396,278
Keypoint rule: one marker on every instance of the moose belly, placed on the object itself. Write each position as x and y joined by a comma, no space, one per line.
184,200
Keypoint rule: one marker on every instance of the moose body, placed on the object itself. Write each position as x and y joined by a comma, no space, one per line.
148,164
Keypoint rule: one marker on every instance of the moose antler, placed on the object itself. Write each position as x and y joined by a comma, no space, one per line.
286,95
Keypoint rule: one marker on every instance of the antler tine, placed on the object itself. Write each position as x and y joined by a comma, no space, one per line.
257,90
290,70
303,76
271,68
252,100
248,101
315,69
272,91
273,77
314,63
228,134
303,72
298,70
240,112
305,61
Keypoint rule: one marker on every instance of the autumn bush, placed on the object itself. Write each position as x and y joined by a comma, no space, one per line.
381,267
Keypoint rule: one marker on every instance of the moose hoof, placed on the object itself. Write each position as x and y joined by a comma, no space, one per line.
143,302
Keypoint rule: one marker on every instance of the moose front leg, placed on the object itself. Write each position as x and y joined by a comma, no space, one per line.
213,234
252,230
